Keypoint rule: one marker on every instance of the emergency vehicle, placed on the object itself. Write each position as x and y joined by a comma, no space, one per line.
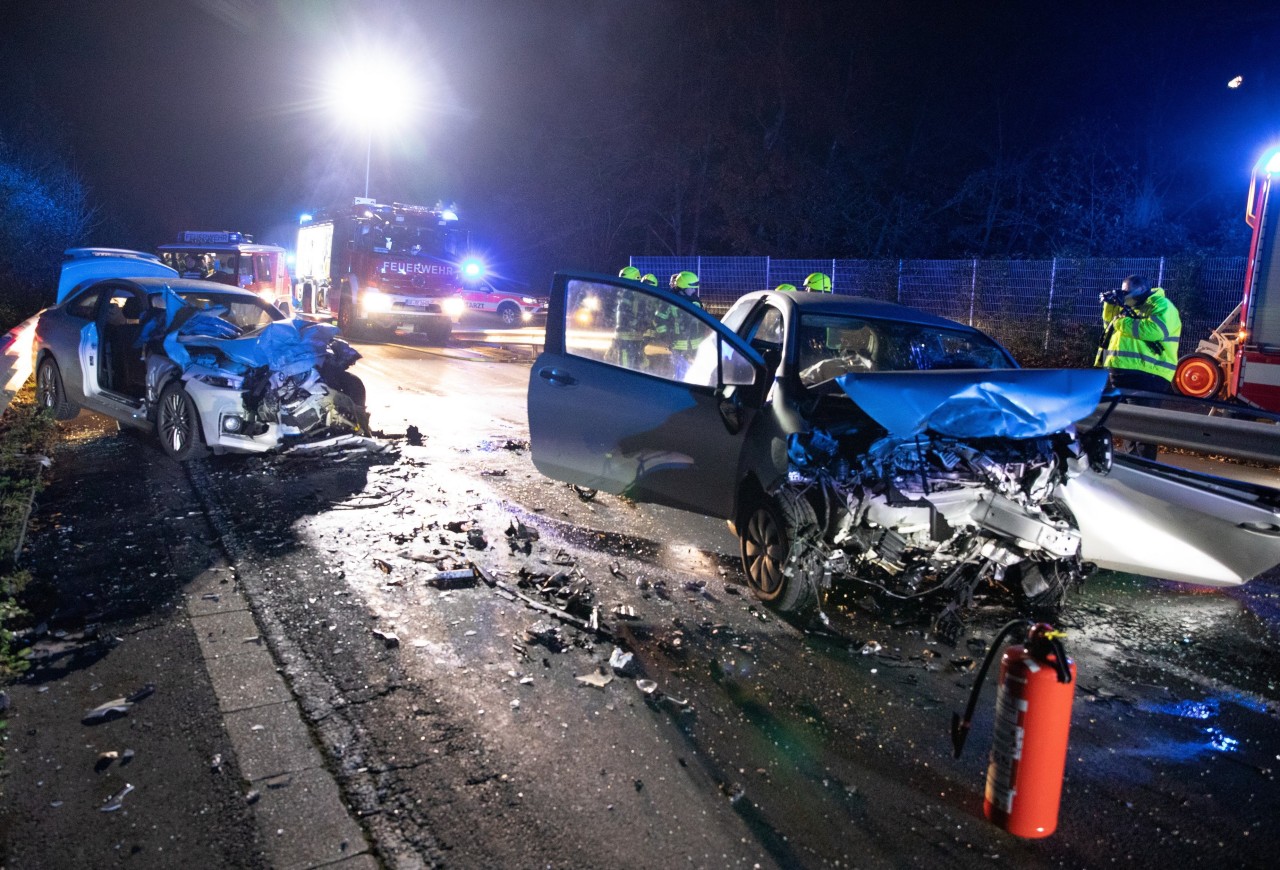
232,258
376,267
1241,358
511,307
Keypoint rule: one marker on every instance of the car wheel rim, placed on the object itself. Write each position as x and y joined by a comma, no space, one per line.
764,554
176,422
508,317
48,392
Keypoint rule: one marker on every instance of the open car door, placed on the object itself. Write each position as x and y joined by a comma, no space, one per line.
1166,522
638,392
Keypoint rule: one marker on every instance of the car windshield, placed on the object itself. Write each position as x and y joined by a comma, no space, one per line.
831,345
245,312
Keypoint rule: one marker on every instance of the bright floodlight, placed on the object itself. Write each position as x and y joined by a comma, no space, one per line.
1236,82
369,94
1272,164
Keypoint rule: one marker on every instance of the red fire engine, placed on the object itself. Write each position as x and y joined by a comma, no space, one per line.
377,267
232,258
1241,358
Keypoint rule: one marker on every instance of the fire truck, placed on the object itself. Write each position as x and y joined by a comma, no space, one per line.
232,258
377,267
1241,358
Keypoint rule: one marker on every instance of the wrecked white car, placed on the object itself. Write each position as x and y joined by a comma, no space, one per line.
849,439
205,366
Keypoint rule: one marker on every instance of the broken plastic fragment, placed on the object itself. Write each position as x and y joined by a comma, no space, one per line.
622,662
382,566
647,686
870,647
113,803
389,640
458,579
596,679
108,711
625,611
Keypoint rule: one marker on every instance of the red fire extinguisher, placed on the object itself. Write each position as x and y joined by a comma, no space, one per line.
1033,716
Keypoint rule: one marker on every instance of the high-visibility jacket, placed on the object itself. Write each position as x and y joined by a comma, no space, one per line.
675,329
1147,342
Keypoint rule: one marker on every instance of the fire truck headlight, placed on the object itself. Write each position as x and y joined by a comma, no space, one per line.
1273,163
472,269
374,301
454,306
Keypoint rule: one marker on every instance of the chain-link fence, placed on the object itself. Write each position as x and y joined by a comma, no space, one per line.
1045,311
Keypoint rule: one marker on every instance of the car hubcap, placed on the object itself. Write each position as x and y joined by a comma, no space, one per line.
764,552
508,316
176,423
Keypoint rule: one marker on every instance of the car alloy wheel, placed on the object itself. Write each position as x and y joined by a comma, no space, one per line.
510,314
50,393
178,424
764,552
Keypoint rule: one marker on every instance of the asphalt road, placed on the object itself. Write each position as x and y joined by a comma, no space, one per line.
459,730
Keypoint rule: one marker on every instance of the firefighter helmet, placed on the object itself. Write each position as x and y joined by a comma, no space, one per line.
686,282
649,278
785,288
631,273
817,283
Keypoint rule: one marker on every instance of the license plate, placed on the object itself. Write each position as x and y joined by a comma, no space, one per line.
416,303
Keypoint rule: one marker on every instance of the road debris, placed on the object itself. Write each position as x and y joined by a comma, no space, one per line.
215,763
595,679
116,708
623,662
647,686
389,639
280,780
458,579
116,801
870,648
382,566
625,611
547,635
476,539
413,436
104,760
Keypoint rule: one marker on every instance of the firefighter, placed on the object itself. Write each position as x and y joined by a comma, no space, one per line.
649,278
785,288
632,322
817,282
677,330
1139,345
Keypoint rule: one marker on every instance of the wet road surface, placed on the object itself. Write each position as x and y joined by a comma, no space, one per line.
468,729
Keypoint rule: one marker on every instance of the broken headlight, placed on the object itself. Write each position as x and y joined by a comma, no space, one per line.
226,382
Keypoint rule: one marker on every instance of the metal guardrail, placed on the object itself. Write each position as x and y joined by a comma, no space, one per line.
1200,425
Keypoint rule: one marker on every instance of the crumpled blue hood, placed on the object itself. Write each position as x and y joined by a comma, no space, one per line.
1008,403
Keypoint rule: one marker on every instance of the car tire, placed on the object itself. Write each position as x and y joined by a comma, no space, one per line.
510,314
50,392
178,425
765,537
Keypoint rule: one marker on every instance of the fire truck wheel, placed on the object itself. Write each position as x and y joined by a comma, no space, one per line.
438,333
1199,376
510,313
347,315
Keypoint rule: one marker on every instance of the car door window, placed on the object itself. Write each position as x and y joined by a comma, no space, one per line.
641,332
84,305
262,265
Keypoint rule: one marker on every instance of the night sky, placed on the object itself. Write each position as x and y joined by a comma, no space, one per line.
547,121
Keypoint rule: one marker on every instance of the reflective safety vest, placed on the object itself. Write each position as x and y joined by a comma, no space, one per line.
673,327
1146,343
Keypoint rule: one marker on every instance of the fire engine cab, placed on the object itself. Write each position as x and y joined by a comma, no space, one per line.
377,267
232,258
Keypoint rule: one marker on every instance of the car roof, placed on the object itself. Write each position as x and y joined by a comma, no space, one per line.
192,285
852,306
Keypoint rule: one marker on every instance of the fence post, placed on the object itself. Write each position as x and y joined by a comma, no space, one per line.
1048,320
973,289
768,273
833,275
899,299
1160,277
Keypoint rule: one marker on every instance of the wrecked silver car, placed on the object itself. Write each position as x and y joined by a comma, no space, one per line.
205,366
849,439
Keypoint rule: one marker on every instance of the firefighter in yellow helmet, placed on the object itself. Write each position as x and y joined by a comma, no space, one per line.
631,273
785,288
631,321
676,329
649,278
818,283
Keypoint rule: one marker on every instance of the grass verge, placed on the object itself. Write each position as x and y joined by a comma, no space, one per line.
27,436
